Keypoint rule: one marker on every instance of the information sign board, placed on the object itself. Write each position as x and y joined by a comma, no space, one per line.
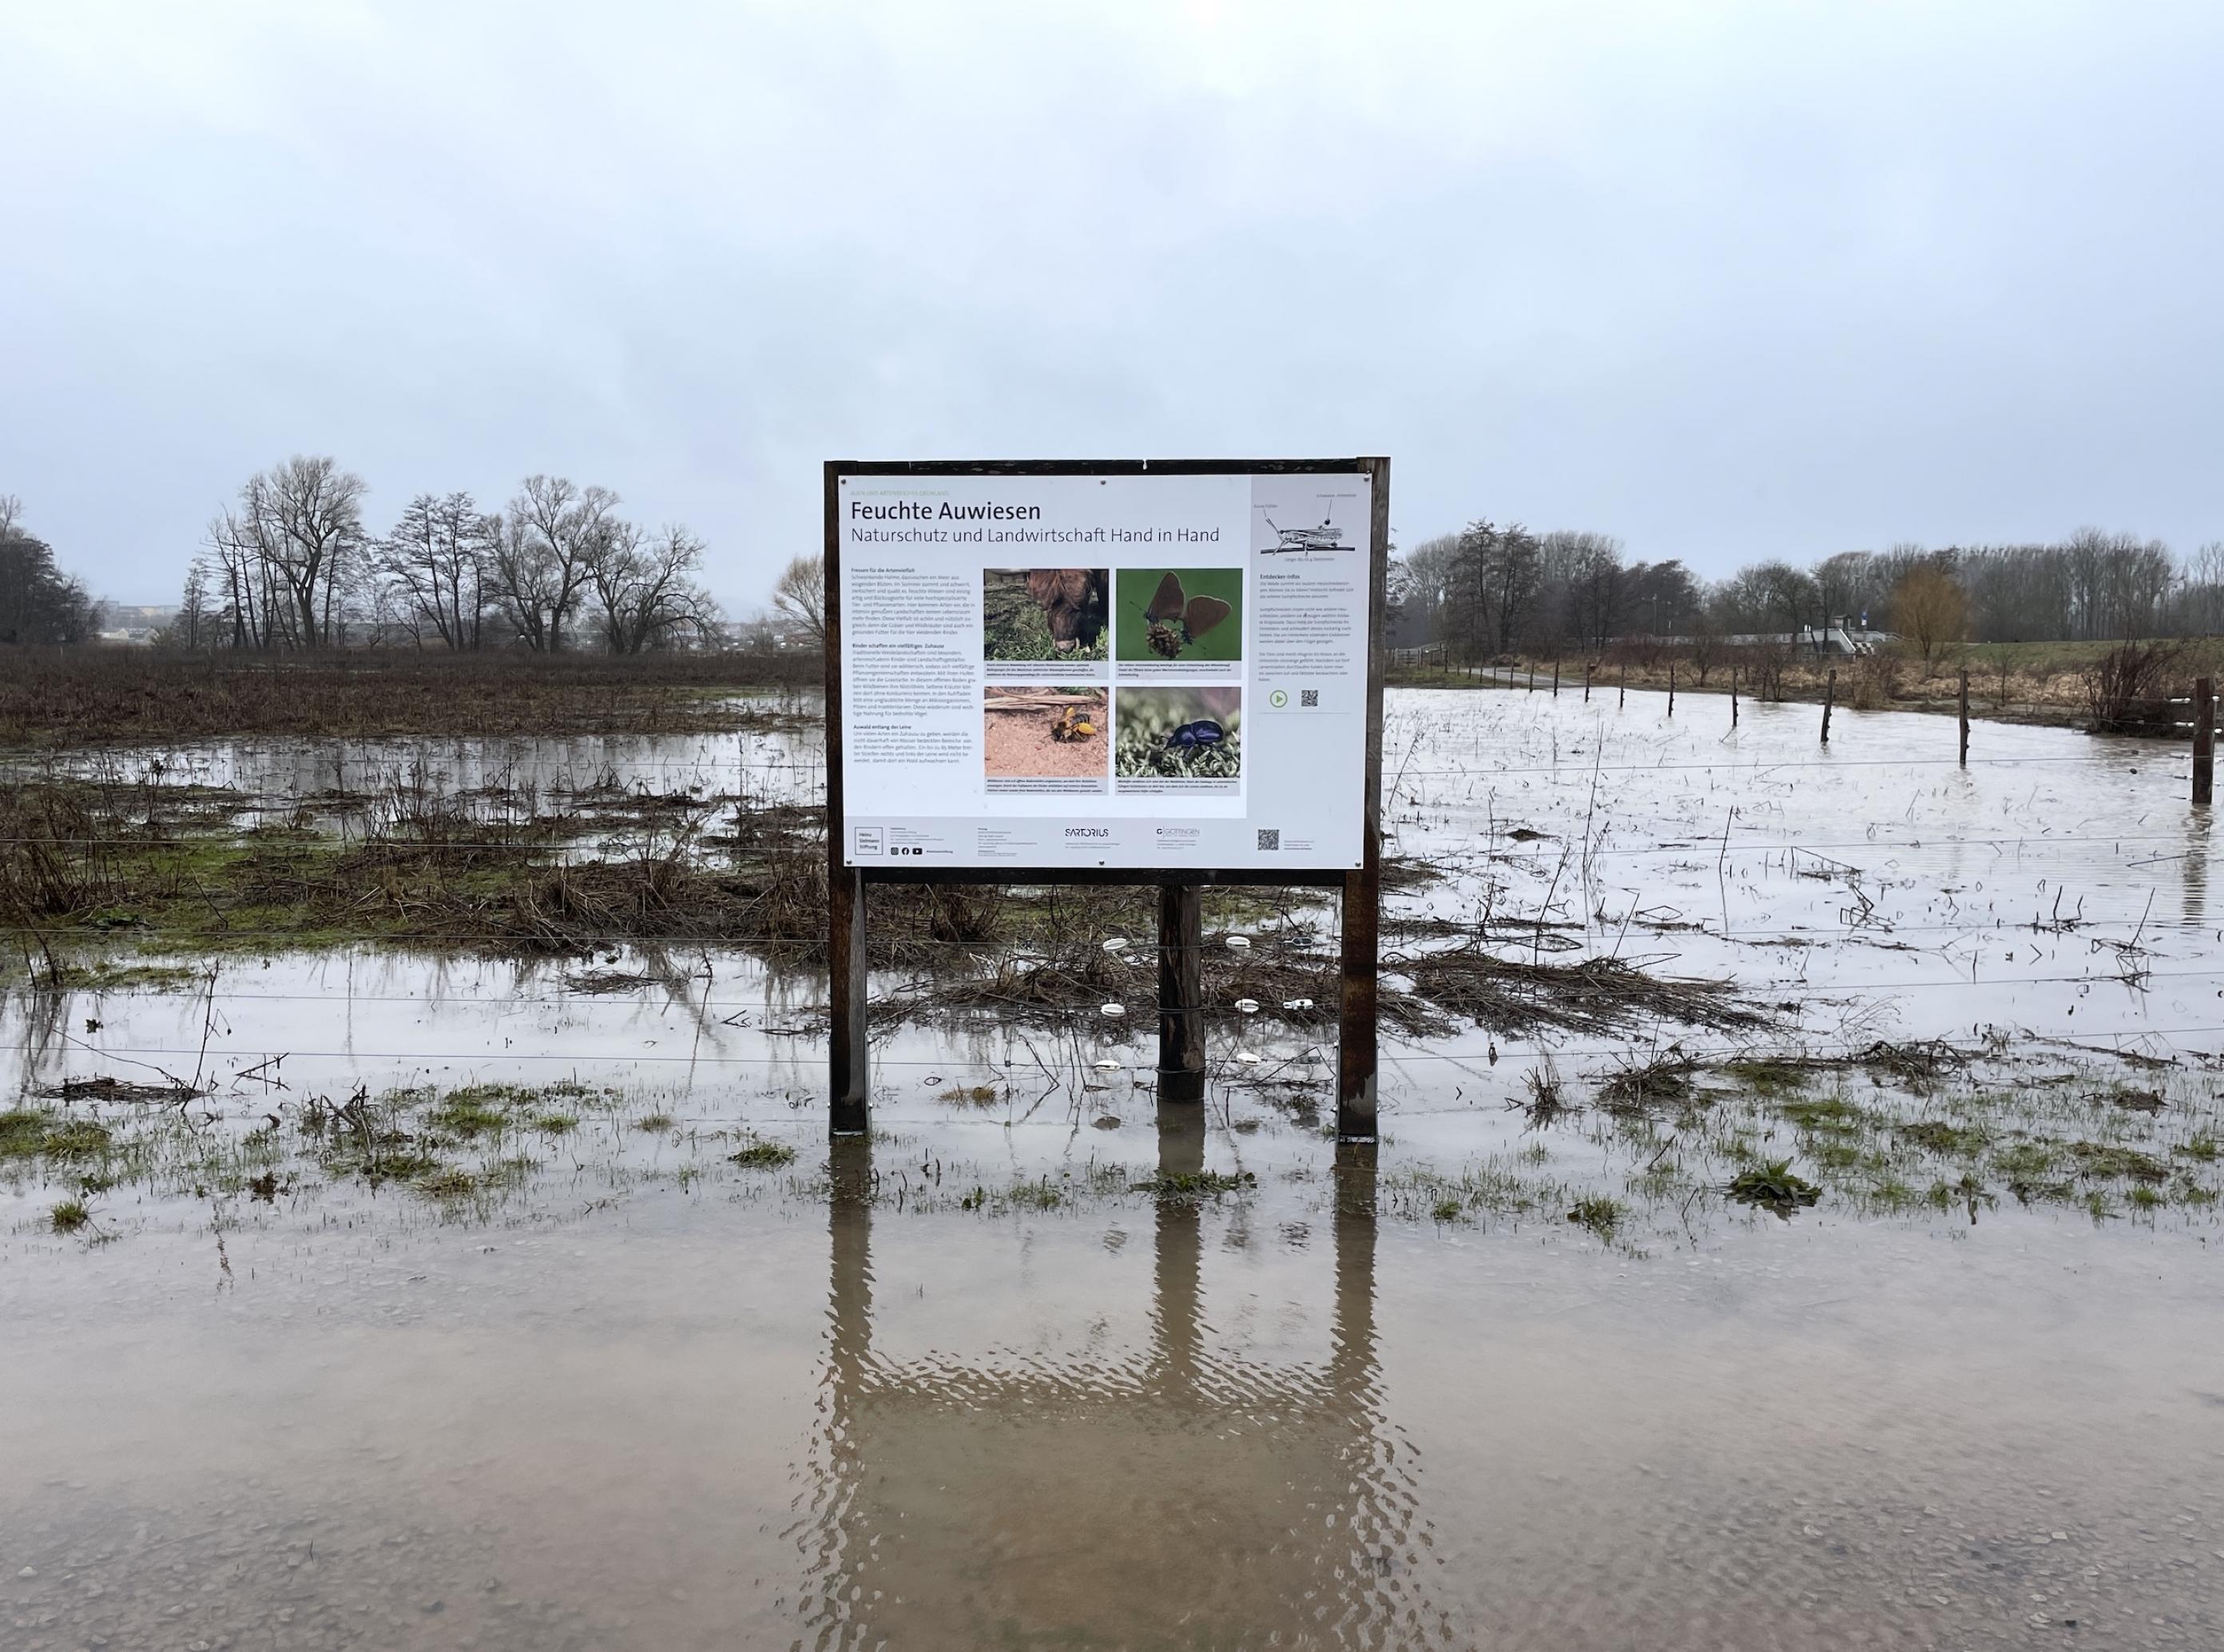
1097,668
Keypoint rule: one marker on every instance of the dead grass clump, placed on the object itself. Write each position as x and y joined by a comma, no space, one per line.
64,853
1601,994
1547,1098
1918,1062
1664,1083
106,1088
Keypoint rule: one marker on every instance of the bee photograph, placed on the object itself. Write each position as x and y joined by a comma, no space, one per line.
1044,733
1045,613
1180,614
1180,733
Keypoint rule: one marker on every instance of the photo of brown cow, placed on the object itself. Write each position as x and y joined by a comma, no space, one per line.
1045,613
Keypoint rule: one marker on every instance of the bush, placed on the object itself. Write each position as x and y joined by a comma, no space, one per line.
2121,685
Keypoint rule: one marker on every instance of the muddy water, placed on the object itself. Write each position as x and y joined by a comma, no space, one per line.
734,1414
646,1397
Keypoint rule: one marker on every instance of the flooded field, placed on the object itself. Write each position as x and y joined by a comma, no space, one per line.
1794,1228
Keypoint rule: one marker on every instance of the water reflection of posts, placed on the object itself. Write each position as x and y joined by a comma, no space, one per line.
1171,1494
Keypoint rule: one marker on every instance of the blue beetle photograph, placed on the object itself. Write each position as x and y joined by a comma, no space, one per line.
1178,733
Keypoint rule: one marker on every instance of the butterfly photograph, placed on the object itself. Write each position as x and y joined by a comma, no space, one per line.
1181,615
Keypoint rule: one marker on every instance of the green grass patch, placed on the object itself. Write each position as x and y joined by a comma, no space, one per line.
1769,1078
37,1133
69,1216
760,1154
1773,1187
1196,1184
2109,1161
1946,1140
1826,1114
1597,1214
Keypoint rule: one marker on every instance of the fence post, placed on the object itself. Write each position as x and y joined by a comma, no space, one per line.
1587,682
1621,696
1829,694
1733,674
1671,688
1965,717
2204,739
1181,992
1556,676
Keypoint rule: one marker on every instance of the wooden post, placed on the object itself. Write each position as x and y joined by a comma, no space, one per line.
1671,688
1965,717
848,1064
1587,682
1357,1053
1829,694
2204,740
1556,676
1622,695
848,1071
1181,992
1733,696
1533,679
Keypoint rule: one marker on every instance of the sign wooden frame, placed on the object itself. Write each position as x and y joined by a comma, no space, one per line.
1181,1012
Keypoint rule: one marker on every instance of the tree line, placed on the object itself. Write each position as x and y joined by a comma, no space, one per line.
293,565
1502,589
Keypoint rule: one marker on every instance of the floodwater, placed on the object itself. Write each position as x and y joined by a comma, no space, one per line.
1875,883
984,1383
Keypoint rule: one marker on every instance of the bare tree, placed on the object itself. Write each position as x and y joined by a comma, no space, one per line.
192,629
11,512
543,559
799,595
436,561
242,579
305,519
643,587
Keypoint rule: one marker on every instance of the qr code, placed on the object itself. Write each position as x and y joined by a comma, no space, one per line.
1308,698
1270,838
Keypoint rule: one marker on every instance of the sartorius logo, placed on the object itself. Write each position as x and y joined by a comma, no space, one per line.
1088,831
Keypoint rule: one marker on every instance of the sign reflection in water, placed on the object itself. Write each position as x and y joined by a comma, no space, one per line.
1177,1496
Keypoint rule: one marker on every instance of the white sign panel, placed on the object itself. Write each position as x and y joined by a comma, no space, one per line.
1140,671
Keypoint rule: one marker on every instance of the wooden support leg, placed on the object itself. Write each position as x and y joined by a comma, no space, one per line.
2204,740
1181,992
848,1065
1356,1032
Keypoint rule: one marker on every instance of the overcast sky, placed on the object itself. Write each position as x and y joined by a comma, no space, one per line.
1726,279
